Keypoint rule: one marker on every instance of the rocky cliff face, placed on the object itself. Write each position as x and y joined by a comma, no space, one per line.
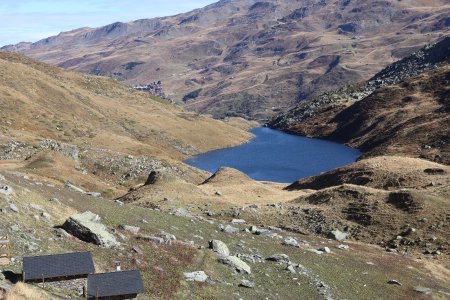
397,111
247,57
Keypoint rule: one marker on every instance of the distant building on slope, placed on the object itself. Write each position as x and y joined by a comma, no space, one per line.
154,88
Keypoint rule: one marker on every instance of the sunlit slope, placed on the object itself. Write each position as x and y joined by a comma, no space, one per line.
39,101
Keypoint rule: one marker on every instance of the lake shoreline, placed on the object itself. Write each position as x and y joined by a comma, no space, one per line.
276,156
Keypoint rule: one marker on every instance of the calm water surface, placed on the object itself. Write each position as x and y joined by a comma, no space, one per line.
276,156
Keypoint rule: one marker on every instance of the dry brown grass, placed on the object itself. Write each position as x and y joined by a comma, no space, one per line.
383,172
235,187
22,291
39,101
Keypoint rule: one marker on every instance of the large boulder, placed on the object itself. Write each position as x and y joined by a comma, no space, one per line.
219,247
87,227
337,235
199,276
6,190
236,263
230,229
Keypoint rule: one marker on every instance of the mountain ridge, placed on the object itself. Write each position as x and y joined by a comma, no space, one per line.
250,58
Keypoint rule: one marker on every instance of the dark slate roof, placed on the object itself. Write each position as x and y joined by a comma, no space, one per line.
115,284
59,265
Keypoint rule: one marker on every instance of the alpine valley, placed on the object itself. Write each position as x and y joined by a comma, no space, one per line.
90,160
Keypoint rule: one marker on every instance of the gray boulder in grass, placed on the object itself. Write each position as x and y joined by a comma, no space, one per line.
337,235
236,263
219,247
87,227
199,276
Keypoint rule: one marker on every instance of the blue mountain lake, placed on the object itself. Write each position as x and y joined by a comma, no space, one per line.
277,156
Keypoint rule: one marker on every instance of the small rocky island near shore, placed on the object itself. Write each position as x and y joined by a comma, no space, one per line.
108,191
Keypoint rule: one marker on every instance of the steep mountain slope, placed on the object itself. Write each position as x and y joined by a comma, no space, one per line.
114,131
249,57
407,118
50,102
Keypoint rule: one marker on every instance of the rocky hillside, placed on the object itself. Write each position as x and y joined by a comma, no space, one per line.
182,256
51,117
386,115
249,57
